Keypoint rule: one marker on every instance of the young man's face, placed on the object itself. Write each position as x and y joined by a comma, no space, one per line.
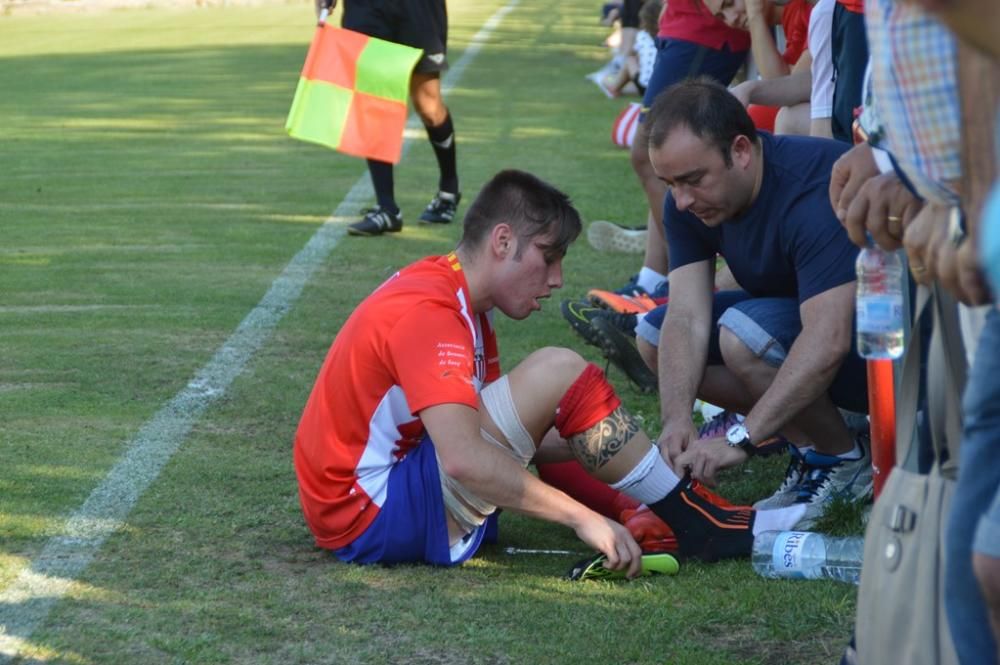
731,12
699,178
526,279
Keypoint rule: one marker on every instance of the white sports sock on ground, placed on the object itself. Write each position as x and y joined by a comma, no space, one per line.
649,279
650,480
778,519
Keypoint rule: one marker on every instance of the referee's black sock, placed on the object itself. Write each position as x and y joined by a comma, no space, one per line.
381,173
442,139
704,530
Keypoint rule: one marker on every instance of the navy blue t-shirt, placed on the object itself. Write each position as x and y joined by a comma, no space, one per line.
789,244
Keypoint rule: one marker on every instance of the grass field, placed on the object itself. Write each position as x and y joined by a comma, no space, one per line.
149,199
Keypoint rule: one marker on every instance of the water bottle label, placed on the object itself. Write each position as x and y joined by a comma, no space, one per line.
880,313
787,553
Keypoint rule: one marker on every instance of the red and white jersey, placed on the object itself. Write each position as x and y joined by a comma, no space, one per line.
412,344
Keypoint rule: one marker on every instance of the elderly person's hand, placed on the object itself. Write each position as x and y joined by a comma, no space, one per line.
956,264
924,238
850,172
882,208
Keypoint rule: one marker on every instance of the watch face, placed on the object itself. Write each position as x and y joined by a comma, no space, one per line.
736,434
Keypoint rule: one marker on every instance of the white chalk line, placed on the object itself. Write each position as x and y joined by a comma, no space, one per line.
26,603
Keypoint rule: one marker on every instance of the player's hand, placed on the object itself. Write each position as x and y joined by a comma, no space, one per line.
707,458
851,171
884,207
675,440
613,541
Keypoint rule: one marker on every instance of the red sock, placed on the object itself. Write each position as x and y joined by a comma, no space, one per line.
572,478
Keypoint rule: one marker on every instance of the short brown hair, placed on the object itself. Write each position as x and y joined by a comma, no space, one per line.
530,205
705,107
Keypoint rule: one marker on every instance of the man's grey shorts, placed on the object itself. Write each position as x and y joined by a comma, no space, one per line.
768,327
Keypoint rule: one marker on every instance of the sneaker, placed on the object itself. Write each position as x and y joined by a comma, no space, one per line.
826,477
652,533
620,349
788,492
618,303
441,209
703,529
592,568
579,314
622,506
375,222
610,237
719,425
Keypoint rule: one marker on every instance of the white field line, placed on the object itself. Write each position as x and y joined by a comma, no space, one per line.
26,603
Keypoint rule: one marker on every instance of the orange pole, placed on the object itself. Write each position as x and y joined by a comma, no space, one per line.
882,412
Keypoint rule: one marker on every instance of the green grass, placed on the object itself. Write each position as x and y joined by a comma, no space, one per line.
149,197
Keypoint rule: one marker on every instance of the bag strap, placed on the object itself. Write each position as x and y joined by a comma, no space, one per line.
946,374
909,388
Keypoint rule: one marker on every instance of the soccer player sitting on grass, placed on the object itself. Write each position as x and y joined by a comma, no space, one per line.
411,437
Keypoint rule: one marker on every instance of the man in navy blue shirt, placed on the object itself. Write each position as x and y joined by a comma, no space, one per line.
781,351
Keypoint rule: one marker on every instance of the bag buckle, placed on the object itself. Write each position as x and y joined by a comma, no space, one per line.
902,519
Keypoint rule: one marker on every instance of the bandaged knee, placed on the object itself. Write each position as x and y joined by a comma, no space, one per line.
468,510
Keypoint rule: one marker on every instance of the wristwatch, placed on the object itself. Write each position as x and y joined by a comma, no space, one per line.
738,437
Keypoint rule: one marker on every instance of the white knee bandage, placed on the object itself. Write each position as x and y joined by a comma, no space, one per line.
469,510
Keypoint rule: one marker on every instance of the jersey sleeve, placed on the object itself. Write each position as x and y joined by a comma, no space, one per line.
431,353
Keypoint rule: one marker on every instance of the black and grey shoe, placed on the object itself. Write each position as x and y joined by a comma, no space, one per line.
620,349
442,208
377,221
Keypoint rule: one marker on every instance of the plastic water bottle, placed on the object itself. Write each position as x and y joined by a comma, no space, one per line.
807,555
879,303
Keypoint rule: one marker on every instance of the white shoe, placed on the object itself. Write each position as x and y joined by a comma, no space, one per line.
610,237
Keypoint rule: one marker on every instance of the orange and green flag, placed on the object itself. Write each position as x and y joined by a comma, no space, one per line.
352,94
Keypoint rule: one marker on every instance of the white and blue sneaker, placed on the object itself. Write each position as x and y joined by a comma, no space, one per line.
788,491
827,477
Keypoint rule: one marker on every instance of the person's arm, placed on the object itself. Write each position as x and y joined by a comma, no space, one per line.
769,62
812,362
683,350
783,91
807,372
491,474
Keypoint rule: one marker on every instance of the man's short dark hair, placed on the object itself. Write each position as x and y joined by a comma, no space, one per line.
529,205
706,108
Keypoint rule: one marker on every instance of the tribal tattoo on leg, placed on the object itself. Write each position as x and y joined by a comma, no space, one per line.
596,445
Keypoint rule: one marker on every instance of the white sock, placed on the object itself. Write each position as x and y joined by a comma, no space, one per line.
778,519
650,480
649,279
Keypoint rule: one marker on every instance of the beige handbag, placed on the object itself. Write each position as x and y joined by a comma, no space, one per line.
900,612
